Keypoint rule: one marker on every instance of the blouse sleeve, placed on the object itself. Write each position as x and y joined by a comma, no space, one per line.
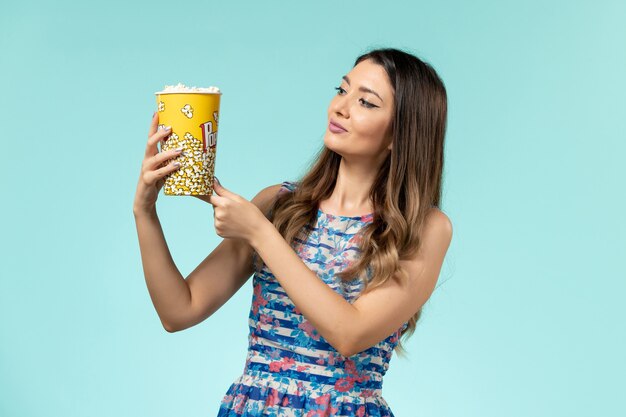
287,186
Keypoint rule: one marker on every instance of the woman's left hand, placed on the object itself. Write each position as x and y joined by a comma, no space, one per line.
234,216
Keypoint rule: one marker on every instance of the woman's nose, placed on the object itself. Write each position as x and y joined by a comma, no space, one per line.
340,106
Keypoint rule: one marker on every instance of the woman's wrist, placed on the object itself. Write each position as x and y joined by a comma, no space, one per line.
144,211
260,234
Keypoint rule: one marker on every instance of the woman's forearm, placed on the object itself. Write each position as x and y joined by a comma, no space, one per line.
167,287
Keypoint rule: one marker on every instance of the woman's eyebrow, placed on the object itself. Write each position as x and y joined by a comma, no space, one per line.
365,89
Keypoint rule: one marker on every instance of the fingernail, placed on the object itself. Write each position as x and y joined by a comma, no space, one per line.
216,180
168,127
153,114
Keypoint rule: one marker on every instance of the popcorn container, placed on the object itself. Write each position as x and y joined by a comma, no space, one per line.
193,114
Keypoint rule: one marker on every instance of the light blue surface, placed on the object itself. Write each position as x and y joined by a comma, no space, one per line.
528,319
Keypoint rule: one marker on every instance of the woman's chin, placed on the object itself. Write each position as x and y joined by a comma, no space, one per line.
331,142
330,137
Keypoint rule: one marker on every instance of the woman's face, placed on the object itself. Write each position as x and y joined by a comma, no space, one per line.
366,116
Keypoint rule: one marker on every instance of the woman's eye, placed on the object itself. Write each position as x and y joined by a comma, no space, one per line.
367,104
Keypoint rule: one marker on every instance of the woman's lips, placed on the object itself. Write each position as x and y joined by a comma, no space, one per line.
335,129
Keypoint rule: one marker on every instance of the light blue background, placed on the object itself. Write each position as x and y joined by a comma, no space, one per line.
528,317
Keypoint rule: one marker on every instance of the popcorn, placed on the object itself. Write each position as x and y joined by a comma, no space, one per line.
195,166
182,88
187,111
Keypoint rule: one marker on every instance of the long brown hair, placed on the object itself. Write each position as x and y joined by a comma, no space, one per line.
407,185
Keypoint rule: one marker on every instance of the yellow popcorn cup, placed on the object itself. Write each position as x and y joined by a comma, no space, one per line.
193,117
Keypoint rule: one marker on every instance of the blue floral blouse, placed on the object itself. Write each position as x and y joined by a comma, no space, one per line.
290,370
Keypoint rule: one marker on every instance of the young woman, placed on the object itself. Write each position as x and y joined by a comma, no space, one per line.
343,259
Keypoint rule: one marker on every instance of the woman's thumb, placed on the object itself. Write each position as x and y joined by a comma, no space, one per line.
204,198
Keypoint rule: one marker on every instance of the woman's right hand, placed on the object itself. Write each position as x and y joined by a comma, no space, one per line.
154,168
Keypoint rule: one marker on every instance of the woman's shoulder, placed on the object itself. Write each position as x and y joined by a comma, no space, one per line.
264,198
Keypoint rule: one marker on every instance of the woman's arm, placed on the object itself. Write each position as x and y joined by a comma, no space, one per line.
168,290
182,303
351,328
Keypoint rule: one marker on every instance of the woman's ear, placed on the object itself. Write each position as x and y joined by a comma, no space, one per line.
390,139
